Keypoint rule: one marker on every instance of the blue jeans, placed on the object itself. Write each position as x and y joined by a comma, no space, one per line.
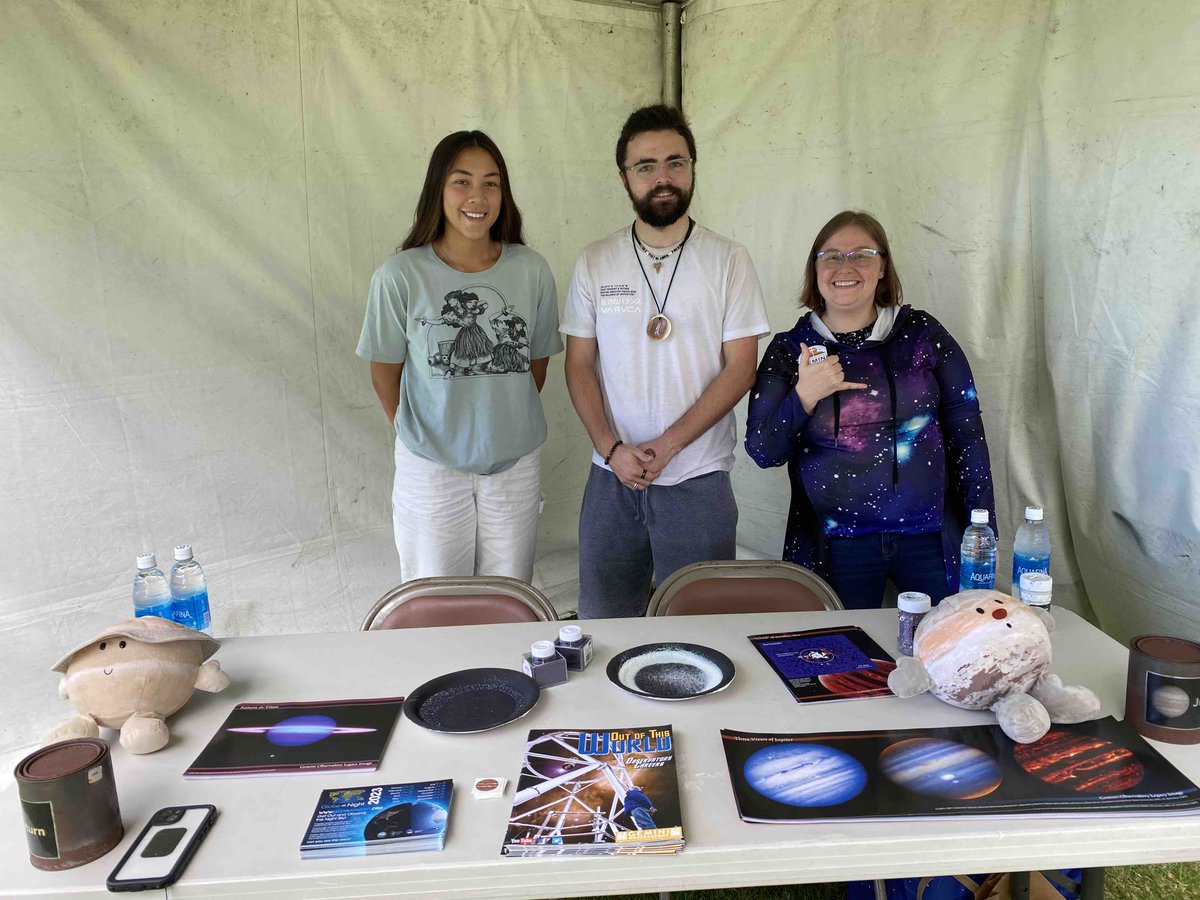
625,535
641,818
859,567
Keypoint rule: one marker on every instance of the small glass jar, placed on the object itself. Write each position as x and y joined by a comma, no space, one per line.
912,607
1037,589
570,636
542,652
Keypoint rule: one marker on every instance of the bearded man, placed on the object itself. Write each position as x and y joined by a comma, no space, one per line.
662,322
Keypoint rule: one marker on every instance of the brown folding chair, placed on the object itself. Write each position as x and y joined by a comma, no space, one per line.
742,585
466,600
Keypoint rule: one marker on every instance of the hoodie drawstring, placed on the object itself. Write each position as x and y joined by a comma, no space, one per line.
837,417
891,380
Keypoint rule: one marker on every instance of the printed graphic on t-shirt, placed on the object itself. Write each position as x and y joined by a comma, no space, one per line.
464,347
619,298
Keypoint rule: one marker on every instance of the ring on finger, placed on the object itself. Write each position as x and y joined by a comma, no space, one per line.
643,475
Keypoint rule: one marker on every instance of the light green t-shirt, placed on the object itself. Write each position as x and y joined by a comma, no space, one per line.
467,397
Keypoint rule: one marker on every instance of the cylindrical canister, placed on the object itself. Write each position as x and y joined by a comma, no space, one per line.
1162,690
69,803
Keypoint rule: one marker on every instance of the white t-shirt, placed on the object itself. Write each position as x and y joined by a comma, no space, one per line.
648,386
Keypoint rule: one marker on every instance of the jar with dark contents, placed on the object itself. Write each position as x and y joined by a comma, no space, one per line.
570,636
912,606
541,653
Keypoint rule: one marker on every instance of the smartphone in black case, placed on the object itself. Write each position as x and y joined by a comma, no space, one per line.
163,849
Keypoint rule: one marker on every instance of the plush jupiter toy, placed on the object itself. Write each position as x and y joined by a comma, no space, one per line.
132,676
987,650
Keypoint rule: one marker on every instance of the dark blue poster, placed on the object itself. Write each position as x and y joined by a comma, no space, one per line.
841,663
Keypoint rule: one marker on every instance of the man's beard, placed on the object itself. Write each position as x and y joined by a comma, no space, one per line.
661,214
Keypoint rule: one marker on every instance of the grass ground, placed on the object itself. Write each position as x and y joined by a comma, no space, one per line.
1172,881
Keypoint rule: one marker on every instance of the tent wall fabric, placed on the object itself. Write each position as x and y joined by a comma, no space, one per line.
193,198
1036,167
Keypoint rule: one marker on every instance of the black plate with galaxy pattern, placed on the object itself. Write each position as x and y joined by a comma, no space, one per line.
671,671
472,700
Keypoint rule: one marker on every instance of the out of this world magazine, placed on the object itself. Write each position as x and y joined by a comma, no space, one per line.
1102,767
379,818
596,793
840,663
291,738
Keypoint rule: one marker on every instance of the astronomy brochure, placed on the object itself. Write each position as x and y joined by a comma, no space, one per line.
592,792
1102,767
379,818
840,663
291,738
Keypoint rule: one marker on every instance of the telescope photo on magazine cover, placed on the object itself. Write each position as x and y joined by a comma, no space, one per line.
596,792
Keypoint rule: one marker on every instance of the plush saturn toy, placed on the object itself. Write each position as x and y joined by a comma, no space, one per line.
132,676
987,650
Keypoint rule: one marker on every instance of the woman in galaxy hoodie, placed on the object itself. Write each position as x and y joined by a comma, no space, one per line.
883,440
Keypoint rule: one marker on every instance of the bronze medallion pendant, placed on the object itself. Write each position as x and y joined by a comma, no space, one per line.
658,328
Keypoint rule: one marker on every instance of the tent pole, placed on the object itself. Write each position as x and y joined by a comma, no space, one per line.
672,75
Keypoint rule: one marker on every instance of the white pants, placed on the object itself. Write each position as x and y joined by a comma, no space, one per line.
449,522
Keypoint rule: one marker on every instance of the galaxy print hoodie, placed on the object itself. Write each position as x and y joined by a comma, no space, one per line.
906,455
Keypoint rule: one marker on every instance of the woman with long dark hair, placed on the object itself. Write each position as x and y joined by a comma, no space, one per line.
460,325
880,428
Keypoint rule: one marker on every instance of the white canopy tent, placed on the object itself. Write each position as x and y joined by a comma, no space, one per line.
193,198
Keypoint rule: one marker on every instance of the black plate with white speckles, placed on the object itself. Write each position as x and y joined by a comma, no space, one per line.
671,671
472,700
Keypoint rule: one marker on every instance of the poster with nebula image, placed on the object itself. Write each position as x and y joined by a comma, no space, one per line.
291,738
841,663
1093,768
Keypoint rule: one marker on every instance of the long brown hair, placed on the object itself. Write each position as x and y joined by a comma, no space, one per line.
429,220
887,293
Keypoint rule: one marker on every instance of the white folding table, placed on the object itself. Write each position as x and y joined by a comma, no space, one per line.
253,847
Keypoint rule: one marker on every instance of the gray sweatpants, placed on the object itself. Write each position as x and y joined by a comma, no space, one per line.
625,535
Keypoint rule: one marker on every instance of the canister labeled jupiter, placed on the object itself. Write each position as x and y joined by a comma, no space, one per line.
1162,694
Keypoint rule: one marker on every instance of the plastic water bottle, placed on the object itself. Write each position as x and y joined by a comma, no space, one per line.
189,592
977,569
151,594
1031,549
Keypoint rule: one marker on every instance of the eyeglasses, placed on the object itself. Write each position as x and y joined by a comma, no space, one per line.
676,166
859,258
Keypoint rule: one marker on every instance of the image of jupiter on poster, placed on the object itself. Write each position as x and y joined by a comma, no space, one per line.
1092,767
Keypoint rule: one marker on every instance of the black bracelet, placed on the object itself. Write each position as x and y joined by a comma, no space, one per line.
612,450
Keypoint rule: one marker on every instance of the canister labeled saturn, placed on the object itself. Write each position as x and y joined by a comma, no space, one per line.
69,803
